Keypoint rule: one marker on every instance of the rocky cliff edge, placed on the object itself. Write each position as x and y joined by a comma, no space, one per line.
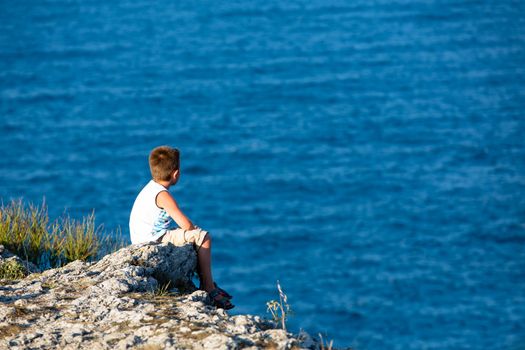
121,302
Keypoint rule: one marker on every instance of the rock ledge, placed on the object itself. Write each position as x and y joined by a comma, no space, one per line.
115,303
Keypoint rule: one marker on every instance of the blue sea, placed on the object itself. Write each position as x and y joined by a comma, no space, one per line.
368,155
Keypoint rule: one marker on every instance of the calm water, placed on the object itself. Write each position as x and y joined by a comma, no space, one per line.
369,155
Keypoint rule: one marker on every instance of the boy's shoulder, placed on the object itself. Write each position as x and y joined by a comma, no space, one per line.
151,188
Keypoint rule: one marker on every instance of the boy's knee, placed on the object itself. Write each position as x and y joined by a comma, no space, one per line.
203,240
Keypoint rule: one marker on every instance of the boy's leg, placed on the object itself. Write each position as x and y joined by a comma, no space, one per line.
220,298
204,265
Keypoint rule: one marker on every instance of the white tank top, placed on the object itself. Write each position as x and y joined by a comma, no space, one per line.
147,222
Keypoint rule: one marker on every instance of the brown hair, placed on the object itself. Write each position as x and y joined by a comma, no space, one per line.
163,161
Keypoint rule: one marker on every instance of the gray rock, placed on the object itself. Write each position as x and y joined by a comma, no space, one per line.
115,304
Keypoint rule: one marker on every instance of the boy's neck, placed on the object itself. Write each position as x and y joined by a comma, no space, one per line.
166,184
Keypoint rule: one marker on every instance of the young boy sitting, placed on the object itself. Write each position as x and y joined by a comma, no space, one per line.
155,211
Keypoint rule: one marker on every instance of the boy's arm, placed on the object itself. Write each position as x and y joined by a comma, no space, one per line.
167,202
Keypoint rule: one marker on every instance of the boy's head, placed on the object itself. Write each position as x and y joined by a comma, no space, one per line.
163,161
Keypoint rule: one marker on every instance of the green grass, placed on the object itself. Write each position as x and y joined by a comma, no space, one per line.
80,238
23,229
26,231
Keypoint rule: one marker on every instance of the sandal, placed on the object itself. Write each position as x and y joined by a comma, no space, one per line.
222,291
222,302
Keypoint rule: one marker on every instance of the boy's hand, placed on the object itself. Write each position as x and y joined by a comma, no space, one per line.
167,202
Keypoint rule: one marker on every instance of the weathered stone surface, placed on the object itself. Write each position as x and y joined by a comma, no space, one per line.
112,304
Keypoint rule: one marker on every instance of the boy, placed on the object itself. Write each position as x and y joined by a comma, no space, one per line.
155,211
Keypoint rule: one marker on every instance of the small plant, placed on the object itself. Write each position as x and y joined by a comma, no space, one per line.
162,290
280,310
328,344
12,270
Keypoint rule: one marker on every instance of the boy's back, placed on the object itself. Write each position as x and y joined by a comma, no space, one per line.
147,221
